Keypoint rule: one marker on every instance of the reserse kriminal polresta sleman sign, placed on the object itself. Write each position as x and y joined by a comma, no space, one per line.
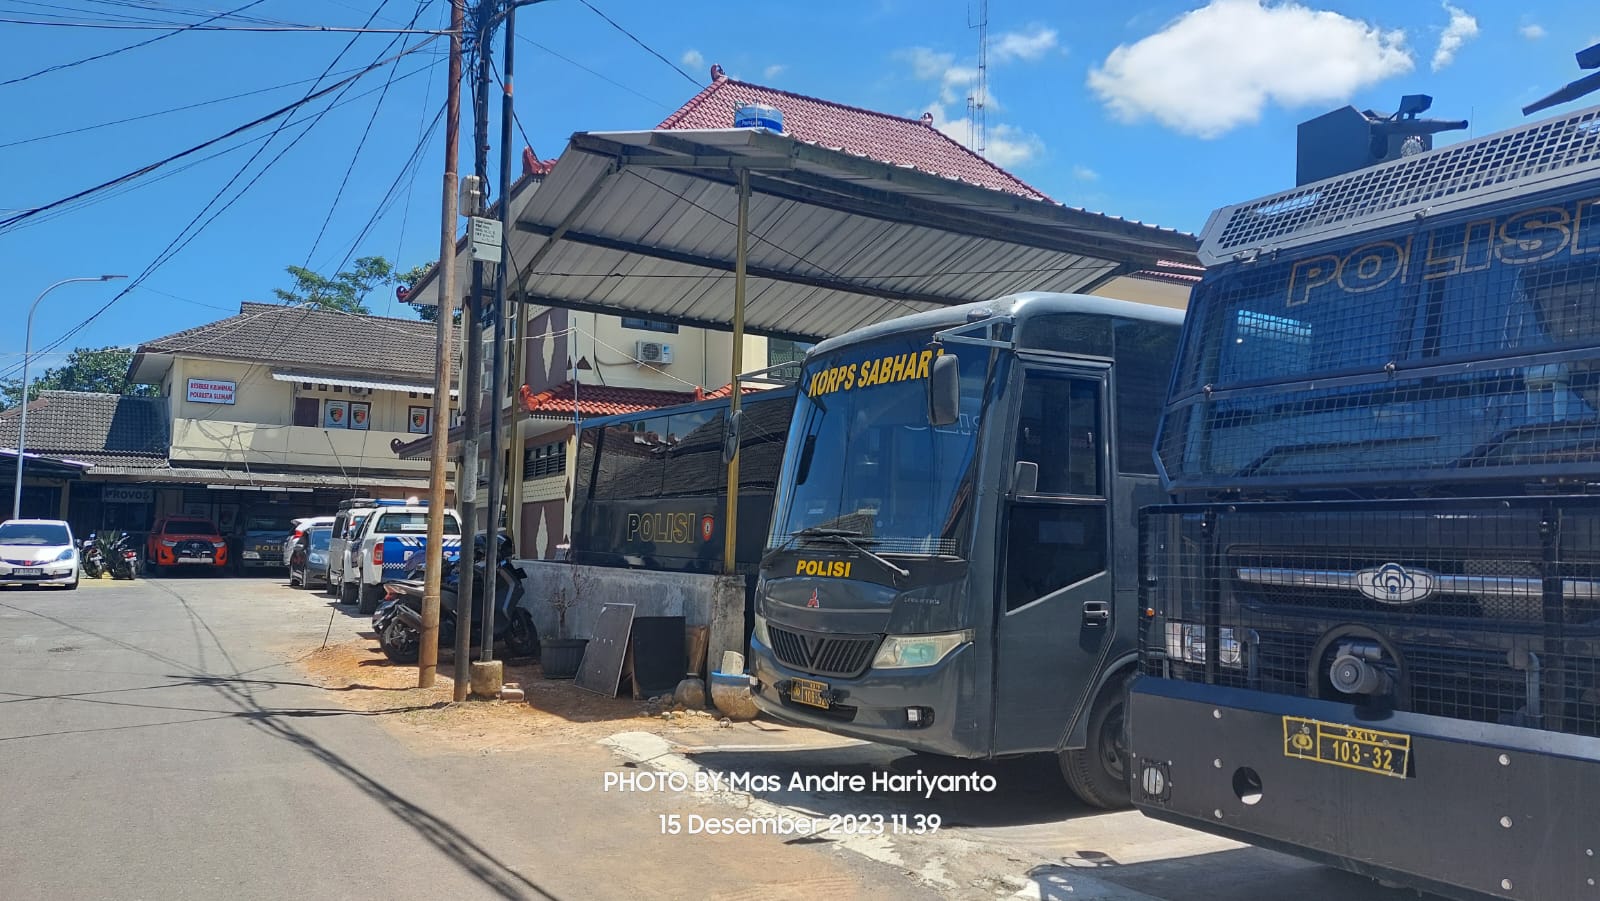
209,391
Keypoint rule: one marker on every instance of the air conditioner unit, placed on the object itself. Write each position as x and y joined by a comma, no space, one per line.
654,352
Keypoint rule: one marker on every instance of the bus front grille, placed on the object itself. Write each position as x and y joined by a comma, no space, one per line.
827,655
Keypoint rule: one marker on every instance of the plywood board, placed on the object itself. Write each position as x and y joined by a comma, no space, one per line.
696,640
602,660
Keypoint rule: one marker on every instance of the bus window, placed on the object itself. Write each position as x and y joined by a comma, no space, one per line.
1057,536
1059,431
1144,354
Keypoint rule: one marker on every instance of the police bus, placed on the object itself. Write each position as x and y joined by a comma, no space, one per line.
954,528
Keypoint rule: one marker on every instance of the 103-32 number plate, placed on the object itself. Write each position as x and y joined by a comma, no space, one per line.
1351,747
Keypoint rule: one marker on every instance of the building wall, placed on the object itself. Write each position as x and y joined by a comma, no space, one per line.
1146,290
258,427
700,357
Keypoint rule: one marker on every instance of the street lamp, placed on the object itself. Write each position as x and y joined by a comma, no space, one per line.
27,349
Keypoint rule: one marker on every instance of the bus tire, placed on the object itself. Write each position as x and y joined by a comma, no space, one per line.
1098,772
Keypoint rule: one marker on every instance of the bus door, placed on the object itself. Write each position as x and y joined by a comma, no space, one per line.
1053,610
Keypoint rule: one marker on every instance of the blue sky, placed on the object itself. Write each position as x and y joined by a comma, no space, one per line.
1152,111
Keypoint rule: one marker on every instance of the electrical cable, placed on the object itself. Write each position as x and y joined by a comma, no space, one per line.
360,145
600,75
310,29
635,38
275,114
179,242
405,211
145,43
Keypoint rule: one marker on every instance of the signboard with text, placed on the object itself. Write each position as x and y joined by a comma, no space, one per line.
210,391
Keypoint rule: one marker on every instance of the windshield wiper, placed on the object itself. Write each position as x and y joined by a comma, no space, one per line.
854,539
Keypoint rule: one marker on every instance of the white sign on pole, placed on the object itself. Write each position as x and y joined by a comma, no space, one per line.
484,239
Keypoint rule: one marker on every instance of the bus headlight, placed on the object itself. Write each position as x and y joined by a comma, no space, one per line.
901,651
759,631
1187,642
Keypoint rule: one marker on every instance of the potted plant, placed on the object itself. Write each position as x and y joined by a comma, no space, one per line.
562,657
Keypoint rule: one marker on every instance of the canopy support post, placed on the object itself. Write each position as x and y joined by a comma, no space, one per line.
730,525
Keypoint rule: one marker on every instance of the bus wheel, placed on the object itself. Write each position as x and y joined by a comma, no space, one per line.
1098,773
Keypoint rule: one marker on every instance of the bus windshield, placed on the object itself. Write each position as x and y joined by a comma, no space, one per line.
864,464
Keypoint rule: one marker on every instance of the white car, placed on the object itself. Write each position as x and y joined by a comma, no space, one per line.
394,533
301,526
38,552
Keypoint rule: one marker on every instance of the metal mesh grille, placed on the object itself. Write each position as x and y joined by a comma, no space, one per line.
1519,159
1472,609
827,655
1466,348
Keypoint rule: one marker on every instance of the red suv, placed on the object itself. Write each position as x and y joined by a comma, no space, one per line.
184,542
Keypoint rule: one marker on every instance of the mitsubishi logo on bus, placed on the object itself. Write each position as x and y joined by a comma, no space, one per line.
812,601
1392,583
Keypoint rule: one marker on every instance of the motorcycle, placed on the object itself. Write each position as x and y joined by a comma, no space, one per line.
91,559
398,620
124,558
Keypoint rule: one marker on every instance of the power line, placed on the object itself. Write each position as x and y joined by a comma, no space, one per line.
165,112
184,237
330,29
600,75
360,145
145,43
635,38
143,170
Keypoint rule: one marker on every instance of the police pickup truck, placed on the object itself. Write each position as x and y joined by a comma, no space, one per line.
391,537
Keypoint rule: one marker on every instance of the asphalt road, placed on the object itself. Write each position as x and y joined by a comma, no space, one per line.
155,743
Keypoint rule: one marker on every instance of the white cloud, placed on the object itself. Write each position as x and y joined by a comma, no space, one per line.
1084,173
1462,28
1216,67
1533,31
1006,145
693,59
773,71
1024,45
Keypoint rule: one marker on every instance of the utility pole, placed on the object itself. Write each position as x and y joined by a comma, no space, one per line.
428,653
498,443
472,363
730,526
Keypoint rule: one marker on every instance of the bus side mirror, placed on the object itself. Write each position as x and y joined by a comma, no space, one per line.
944,390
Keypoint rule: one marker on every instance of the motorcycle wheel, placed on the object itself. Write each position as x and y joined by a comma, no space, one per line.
522,637
400,643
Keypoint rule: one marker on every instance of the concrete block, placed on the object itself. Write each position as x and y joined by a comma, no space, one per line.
487,678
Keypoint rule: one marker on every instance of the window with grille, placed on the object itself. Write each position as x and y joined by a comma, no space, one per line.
544,461
649,325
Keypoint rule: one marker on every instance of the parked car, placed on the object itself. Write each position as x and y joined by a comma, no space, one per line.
347,522
394,535
185,542
262,544
308,558
38,552
301,526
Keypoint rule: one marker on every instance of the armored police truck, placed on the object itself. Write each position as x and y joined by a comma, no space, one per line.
1370,629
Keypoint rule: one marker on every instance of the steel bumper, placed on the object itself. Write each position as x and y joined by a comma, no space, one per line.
1484,810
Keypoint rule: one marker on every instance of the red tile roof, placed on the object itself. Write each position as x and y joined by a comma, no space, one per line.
879,136
598,400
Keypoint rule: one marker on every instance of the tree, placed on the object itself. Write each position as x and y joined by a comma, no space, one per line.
103,369
416,274
344,291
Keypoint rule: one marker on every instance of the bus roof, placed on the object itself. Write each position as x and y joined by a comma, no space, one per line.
1017,307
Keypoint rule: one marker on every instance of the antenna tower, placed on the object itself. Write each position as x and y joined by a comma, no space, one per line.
977,119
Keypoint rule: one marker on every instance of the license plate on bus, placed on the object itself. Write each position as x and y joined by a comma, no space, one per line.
27,571
1351,747
809,693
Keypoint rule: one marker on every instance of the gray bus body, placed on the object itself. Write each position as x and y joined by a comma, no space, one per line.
951,589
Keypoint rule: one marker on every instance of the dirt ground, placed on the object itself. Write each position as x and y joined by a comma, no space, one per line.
553,711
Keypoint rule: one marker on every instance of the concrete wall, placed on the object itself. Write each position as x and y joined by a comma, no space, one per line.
701,599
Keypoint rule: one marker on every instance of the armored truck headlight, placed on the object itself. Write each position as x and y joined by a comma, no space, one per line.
759,631
901,651
1187,642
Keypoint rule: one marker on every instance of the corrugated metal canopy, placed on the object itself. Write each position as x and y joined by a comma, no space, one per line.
644,224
